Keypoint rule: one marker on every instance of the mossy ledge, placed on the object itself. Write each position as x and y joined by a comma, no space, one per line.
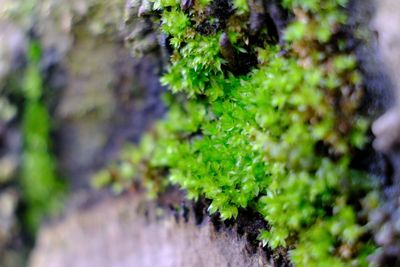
263,116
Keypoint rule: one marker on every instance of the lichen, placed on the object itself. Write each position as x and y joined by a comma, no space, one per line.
262,120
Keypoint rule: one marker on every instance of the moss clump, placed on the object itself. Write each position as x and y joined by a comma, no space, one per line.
275,134
41,189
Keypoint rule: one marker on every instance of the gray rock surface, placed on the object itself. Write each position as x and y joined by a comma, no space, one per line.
386,218
386,24
106,96
131,232
8,206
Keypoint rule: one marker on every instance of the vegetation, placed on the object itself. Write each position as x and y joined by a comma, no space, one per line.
40,187
263,122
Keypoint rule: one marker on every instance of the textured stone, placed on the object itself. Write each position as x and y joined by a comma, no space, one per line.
8,205
12,48
8,166
386,22
129,232
106,96
385,219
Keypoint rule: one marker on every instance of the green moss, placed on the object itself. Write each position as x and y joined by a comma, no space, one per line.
41,189
277,140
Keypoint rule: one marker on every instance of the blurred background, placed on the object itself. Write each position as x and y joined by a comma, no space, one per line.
65,112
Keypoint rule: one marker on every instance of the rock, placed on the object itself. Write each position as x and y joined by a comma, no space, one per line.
10,148
384,220
58,21
140,33
7,112
8,205
8,166
106,96
386,21
12,48
129,232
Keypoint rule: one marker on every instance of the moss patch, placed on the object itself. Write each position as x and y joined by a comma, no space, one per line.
264,120
40,187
